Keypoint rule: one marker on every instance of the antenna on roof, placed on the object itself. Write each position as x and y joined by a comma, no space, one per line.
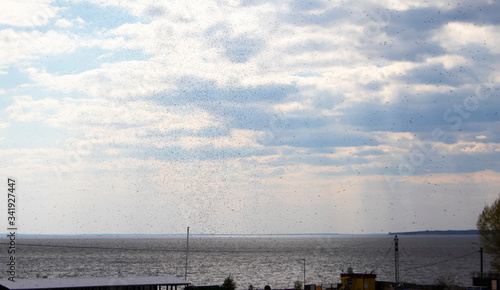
396,258
187,253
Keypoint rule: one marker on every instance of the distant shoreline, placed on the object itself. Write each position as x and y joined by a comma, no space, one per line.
449,232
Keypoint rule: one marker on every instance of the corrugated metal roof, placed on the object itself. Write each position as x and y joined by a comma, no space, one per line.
24,284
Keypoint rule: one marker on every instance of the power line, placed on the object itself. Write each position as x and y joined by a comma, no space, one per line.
382,260
441,262
96,248
152,250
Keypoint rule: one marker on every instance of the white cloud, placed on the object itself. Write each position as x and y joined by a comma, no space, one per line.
176,47
289,107
117,80
413,4
470,147
31,13
63,23
455,35
487,176
18,46
73,113
113,151
80,20
30,162
449,61
133,123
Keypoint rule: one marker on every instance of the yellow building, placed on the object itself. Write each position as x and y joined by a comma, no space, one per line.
353,281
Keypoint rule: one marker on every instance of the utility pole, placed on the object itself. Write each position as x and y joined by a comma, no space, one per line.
396,258
187,253
481,252
304,273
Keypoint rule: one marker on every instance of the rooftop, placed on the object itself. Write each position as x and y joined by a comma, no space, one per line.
54,283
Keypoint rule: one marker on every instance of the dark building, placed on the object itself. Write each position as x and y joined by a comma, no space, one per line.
488,281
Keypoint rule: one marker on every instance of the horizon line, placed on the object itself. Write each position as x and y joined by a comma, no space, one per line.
267,234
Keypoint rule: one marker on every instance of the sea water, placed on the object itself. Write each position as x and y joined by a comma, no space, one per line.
277,261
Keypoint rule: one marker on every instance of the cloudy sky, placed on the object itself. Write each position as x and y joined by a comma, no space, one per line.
249,116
